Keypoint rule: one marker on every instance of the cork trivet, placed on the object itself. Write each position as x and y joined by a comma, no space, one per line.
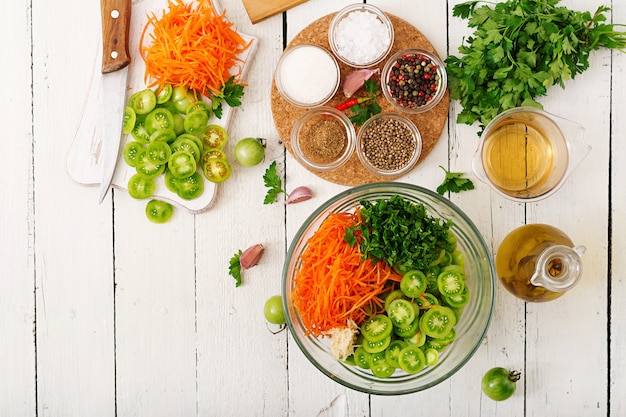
430,123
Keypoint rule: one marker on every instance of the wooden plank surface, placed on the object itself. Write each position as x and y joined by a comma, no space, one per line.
106,314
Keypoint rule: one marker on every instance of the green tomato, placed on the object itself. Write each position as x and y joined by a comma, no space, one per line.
250,152
499,383
273,310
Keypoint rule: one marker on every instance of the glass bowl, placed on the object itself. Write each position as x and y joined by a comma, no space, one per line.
386,154
307,75
361,35
401,94
472,324
323,138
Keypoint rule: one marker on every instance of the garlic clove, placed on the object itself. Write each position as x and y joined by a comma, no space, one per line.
251,256
356,80
299,194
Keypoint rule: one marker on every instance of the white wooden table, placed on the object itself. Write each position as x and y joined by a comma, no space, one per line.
103,313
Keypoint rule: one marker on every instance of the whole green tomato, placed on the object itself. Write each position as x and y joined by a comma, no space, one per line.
499,383
273,310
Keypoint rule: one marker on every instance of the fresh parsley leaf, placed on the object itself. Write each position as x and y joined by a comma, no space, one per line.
518,50
362,112
454,182
273,182
234,268
231,94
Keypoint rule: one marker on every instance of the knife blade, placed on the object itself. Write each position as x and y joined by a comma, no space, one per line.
115,59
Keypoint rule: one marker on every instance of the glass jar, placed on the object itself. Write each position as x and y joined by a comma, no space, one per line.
538,262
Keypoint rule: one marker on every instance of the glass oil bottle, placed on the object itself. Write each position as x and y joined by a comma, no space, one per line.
538,262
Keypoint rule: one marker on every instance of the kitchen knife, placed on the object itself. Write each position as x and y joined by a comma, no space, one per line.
115,60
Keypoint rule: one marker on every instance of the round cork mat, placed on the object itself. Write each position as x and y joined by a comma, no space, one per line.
430,123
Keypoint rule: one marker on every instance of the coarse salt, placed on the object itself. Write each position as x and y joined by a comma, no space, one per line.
361,37
309,75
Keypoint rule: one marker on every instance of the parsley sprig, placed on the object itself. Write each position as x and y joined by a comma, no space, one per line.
362,112
273,183
234,268
231,94
454,182
519,49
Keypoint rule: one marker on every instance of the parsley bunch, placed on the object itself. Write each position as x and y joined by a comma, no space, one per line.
518,50
400,233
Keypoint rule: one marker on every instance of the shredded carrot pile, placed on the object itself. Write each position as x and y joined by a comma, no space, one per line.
333,283
196,48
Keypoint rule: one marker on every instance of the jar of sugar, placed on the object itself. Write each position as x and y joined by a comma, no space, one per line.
361,35
307,75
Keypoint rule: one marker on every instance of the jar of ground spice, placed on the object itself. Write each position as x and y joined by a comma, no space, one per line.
414,80
389,144
323,139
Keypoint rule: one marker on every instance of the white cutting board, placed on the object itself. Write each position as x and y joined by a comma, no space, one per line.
83,157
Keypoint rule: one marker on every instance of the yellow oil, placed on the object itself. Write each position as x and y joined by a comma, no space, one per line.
517,256
518,157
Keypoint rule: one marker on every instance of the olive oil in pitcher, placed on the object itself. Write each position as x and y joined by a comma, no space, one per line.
538,262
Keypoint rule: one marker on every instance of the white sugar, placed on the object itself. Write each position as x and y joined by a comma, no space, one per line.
308,74
361,37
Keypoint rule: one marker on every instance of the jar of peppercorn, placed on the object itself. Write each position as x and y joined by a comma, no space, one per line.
414,80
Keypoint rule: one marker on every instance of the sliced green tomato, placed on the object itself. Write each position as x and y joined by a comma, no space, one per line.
413,283
145,167
217,170
458,258
378,346
163,135
432,356
459,269
426,300
199,105
435,344
185,143
182,164
437,322
171,182
362,358
140,187
418,339
211,153
159,152
459,300
411,359
393,352
131,149
431,278
393,295
130,118
196,122
179,124
143,102
401,312
139,132
159,118
190,187
215,136
450,283
450,337
380,367
377,328
164,93
407,331
158,211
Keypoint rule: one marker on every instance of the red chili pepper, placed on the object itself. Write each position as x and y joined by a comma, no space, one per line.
354,100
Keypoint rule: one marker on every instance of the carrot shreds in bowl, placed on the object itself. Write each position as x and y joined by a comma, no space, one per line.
333,283
192,47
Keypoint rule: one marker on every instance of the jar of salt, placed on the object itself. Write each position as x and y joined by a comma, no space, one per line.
361,35
307,75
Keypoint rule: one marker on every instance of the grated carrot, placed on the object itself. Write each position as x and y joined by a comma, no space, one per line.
195,48
333,283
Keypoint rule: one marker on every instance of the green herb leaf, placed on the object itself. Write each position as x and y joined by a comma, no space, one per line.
401,233
231,94
519,49
454,182
234,268
273,182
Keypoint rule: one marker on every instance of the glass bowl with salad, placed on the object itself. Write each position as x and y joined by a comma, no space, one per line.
388,288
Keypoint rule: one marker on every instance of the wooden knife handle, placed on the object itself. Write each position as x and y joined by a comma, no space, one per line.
115,28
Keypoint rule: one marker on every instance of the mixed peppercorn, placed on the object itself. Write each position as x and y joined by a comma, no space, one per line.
413,80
